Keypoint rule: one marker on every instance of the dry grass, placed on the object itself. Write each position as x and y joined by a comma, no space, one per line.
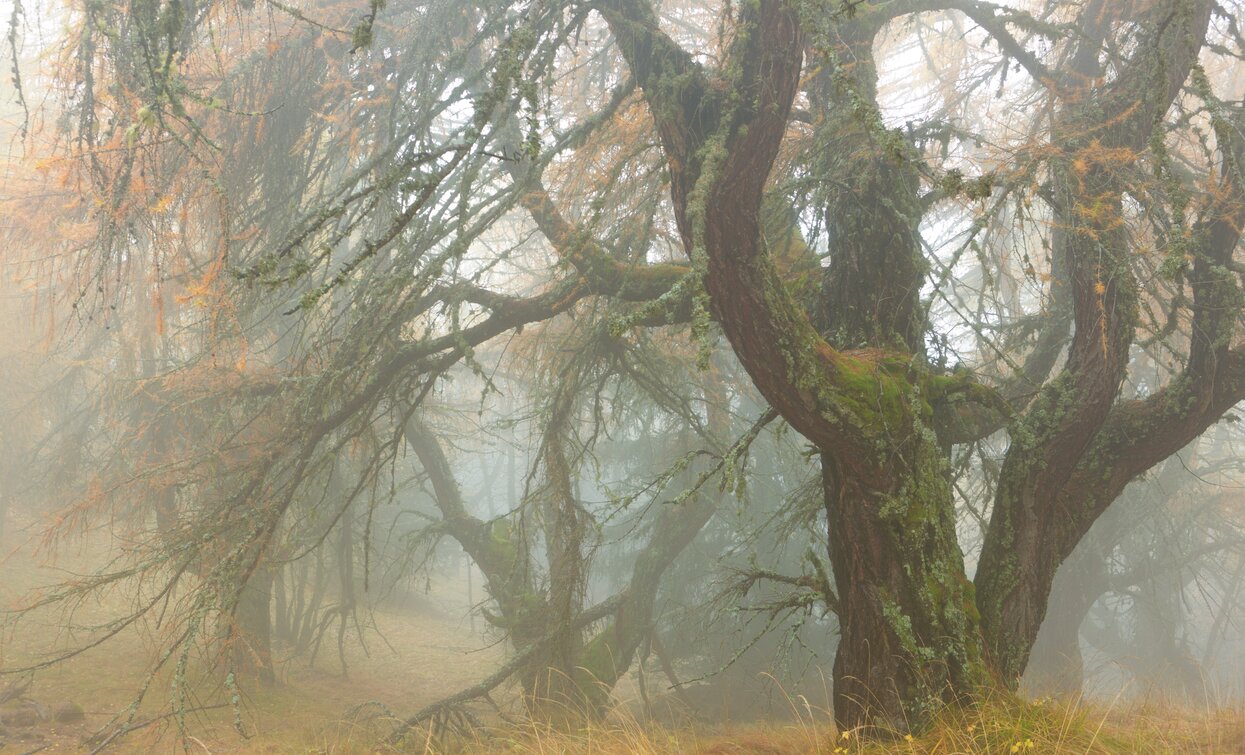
998,726
413,657
433,654
309,714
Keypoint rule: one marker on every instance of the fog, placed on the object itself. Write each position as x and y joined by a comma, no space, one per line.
419,376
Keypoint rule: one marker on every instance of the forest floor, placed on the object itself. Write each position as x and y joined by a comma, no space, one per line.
411,654
1017,727
424,649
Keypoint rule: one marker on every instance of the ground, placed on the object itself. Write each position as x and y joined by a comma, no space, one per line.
425,648
415,653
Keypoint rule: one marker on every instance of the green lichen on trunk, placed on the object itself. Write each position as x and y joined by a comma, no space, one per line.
909,622
907,617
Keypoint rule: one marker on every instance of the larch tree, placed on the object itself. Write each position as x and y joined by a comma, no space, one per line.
352,171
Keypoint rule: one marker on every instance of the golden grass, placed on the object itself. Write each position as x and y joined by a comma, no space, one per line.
413,657
308,712
998,726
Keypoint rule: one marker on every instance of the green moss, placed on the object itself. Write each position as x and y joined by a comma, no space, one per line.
597,659
501,543
596,670
875,391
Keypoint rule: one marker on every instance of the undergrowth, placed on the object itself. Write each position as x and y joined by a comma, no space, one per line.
1002,724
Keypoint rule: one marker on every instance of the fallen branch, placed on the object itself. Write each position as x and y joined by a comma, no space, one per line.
124,729
15,689
489,683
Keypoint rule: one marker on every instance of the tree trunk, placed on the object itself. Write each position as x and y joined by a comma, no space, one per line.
908,624
909,637
1056,666
561,692
280,607
1076,447
251,635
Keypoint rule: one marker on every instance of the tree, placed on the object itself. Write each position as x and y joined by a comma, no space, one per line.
760,188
